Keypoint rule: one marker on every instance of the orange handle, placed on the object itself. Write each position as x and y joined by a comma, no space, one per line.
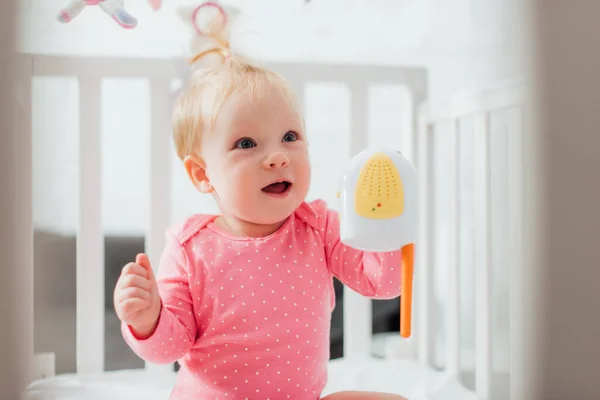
407,286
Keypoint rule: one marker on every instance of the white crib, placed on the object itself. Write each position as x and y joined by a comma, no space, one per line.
415,368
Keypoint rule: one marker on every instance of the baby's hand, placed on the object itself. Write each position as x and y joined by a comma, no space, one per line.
136,297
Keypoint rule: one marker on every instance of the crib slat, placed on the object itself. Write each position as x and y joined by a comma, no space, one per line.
515,213
357,308
483,270
424,270
452,311
160,174
132,67
359,118
90,240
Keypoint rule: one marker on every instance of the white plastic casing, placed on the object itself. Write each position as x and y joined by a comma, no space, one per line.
370,234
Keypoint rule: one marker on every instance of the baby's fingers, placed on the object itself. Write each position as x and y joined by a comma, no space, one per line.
131,306
134,269
133,292
132,280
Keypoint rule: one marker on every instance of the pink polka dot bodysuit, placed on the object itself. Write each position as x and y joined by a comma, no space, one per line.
249,318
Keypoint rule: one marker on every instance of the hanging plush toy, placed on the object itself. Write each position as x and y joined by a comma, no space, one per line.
114,8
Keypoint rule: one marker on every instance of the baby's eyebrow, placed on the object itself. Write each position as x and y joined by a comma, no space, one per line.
240,133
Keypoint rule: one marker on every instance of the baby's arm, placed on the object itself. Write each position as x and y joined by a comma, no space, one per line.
176,330
376,275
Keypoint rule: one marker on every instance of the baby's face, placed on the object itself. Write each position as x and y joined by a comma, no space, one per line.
257,158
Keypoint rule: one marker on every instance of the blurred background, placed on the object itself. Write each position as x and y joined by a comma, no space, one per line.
465,45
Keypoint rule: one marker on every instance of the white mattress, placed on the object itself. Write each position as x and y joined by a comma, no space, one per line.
407,378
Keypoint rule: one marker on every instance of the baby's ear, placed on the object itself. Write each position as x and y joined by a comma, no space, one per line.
196,170
205,187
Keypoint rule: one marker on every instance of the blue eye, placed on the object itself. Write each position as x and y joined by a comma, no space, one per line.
290,137
244,143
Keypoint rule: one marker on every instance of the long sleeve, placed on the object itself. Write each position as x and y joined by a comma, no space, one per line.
375,275
176,330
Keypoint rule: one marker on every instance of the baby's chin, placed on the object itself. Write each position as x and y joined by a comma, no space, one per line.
273,215
269,212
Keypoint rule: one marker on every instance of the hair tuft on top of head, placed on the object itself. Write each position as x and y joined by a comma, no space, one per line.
214,73
215,30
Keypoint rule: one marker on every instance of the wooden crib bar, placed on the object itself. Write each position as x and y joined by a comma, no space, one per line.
90,239
483,271
424,254
516,280
453,299
160,176
414,78
357,309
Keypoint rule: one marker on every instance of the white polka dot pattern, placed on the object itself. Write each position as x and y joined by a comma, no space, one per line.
250,318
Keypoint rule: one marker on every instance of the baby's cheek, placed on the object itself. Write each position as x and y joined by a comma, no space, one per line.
231,177
244,190
304,175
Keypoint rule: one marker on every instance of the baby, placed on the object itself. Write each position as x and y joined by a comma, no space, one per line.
243,299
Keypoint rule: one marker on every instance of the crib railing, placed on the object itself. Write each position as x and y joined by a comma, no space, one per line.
428,129
456,163
161,73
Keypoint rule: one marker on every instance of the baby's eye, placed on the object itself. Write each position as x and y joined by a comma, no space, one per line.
290,137
244,143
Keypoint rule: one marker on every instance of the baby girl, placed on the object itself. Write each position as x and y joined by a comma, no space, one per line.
243,299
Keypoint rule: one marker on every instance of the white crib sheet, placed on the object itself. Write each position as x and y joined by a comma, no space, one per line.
407,378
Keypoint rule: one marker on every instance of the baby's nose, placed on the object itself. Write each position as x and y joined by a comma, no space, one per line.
277,160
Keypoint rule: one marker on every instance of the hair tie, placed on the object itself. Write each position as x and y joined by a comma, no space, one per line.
224,53
216,27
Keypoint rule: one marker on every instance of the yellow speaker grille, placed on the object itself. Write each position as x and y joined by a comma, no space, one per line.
379,192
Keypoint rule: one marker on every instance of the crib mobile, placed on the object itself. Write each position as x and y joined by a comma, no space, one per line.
379,213
114,8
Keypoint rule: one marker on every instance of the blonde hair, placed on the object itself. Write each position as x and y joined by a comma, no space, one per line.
211,87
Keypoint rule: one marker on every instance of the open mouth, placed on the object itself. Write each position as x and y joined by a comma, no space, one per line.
280,187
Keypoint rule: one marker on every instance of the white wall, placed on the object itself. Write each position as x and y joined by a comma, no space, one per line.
466,44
